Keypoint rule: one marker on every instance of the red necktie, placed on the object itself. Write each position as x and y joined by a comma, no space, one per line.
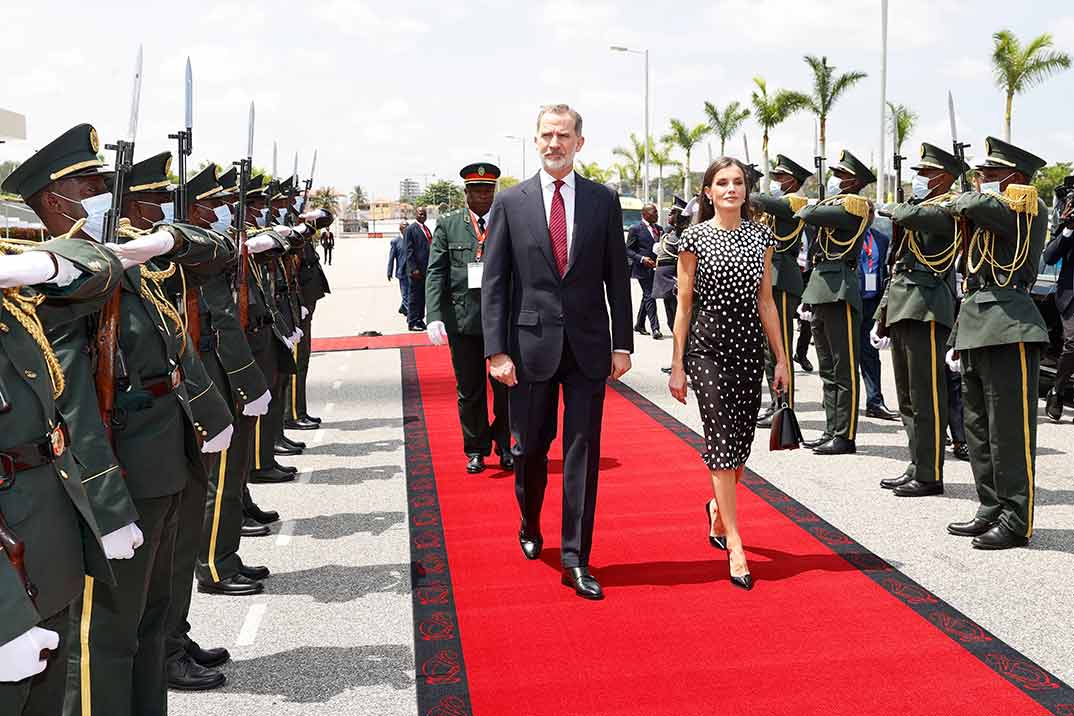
557,229
428,236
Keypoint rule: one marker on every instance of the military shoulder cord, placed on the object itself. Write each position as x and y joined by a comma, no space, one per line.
23,309
941,261
152,289
852,204
1021,199
784,242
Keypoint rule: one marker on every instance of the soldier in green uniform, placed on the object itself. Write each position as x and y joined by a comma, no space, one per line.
453,299
832,299
917,311
777,210
42,498
997,340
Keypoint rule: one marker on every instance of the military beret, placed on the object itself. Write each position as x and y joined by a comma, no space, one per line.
205,183
850,163
784,165
932,157
150,174
72,153
1004,154
480,173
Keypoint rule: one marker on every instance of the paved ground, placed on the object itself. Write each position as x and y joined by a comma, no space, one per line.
333,633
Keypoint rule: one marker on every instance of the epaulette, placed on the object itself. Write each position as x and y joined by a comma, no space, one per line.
797,203
857,205
1022,198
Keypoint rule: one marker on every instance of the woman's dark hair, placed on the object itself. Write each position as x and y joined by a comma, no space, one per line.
705,208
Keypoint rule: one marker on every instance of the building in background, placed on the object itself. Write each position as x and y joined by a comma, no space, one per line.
409,190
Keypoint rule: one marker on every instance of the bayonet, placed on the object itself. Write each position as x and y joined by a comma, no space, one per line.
185,139
189,116
959,147
242,291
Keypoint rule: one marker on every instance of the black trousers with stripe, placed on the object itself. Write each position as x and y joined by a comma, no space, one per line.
917,357
41,695
787,308
837,335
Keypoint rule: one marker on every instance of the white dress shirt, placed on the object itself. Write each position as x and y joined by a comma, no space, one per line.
548,186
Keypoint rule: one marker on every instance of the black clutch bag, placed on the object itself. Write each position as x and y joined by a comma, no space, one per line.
785,435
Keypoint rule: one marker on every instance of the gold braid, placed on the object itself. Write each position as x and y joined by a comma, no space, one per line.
943,260
1019,199
152,289
852,204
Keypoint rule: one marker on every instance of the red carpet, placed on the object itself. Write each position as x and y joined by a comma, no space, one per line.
358,343
829,628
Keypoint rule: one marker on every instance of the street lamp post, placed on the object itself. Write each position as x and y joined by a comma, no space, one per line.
522,142
618,48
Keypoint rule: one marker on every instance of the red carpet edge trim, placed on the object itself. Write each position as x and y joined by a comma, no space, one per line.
1032,680
442,685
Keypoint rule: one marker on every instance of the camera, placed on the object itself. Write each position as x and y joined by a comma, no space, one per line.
1062,192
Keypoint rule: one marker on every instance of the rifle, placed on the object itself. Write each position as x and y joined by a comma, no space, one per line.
184,138
897,235
108,351
309,182
15,549
962,223
242,294
818,162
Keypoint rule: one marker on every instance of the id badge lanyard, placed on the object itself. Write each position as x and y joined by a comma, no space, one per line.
475,269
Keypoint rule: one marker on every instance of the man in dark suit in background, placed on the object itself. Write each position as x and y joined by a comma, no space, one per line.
639,249
872,276
1061,248
418,237
397,267
554,265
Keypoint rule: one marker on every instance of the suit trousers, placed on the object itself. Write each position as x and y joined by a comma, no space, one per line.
647,309
917,357
999,391
471,382
955,423
116,660
41,695
415,307
328,254
404,295
870,357
787,308
805,330
534,409
837,335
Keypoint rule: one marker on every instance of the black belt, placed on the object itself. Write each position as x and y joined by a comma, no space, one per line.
29,455
973,284
666,262
161,386
853,266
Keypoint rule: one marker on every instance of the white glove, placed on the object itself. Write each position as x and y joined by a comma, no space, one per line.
881,344
289,342
805,315
121,543
137,251
35,267
21,657
298,334
953,363
259,406
259,243
220,442
437,333
305,312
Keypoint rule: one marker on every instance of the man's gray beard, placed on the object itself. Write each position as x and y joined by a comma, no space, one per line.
551,164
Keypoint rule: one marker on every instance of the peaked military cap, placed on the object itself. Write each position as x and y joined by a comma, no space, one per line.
205,183
256,185
850,163
1004,154
932,157
785,165
753,174
72,153
150,174
285,187
229,180
678,204
480,173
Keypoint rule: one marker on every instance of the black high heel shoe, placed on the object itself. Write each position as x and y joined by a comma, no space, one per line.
718,541
743,582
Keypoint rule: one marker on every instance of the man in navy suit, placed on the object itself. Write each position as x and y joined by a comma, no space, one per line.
872,274
418,237
1061,248
639,249
554,270
397,266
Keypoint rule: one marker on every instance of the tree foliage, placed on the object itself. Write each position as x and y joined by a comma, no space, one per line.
1017,68
594,172
686,138
1048,178
507,181
442,193
727,121
325,198
358,199
902,121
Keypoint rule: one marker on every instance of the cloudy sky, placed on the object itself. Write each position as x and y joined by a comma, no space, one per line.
387,89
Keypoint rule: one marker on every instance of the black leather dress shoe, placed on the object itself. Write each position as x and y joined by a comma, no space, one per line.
237,586
1053,406
816,443
582,582
836,446
999,537
961,451
281,448
890,483
881,411
264,517
475,464
507,460
270,475
919,489
284,440
973,528
414,327
300,424
286,468
252,529
803,360
255,574
641,330
531,546
208,658
658,336
311,418
185,674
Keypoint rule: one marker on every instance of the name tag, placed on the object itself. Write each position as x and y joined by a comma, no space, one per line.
474,272
870,282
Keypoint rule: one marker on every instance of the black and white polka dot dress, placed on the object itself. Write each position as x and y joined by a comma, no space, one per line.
725,348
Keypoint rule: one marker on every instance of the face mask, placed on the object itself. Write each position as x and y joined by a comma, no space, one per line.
776,190
281,215
919,188
263,219
834,186
168,209
223,219
298,204
991,187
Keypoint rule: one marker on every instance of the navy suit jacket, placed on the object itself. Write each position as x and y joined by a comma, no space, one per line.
417,249
1059,249
639,245
528,310
879,261
397,258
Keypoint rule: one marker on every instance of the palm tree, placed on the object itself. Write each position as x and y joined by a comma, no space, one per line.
627,174
634,157
770,111
727,122
357,197
827,88
686,139
325,198
661,157
1019,68
593,171
902,121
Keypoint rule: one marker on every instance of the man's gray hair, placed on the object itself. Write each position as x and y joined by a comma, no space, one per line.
561,109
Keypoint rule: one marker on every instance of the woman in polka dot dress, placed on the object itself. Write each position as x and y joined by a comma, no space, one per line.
725,312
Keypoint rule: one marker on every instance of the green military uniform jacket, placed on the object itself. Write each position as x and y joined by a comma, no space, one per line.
834,251
779,215
265,320
447,297
47,506
917,291
311,278
220,319
993,314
